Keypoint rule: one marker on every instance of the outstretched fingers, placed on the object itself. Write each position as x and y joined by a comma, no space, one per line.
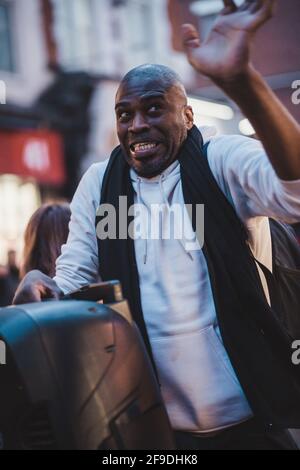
267,7
262,10
262,7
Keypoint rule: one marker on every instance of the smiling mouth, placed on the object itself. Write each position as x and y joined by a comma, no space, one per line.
142,149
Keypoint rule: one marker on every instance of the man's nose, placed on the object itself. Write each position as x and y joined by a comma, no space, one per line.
138,123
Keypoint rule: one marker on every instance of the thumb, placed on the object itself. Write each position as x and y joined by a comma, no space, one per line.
190,37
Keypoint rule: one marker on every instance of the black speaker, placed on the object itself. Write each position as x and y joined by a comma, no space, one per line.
77,376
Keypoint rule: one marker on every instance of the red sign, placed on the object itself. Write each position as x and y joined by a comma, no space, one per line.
35,153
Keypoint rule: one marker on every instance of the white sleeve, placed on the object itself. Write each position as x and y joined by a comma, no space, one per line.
78,262
247,178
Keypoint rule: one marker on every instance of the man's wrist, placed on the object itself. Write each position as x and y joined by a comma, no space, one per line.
248,90
242,82
246,76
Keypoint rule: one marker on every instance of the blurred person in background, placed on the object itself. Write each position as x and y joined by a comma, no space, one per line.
3,290
45,234
13,274
9,279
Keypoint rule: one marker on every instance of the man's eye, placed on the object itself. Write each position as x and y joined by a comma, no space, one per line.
124,116
154,108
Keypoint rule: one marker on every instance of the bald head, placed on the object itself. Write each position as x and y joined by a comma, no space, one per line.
155,74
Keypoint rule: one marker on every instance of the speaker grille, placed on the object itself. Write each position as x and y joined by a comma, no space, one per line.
36,430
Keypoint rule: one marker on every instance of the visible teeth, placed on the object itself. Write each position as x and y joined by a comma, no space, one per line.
144,146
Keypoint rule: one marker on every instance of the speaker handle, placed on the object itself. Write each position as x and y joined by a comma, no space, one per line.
109,292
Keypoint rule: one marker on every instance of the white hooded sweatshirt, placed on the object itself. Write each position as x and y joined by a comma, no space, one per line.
199,386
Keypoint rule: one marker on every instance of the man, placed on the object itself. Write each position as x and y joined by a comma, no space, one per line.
223,362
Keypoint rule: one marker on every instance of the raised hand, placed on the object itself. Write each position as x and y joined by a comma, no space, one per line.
224,55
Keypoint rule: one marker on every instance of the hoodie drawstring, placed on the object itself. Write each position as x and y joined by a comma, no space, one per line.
141,201
166,201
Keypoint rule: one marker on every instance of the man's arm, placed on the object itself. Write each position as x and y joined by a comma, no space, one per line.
78,263
224,57
248,180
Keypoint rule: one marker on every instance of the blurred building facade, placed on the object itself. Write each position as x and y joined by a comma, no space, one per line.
60,64
23,70
275,53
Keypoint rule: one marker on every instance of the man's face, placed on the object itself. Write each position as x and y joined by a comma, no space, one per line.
152,124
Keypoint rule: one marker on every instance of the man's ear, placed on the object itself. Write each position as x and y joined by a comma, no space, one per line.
189,117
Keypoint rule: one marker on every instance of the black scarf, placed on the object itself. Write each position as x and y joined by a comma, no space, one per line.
258,348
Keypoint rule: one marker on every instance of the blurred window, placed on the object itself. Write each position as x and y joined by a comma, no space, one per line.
18,200
138,40
6,62
73,30
139,12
